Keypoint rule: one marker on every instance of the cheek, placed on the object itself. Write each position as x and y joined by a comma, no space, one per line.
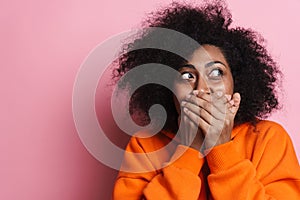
219,86
229,85
225,86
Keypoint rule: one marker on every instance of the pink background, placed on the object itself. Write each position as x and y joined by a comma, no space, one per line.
43,44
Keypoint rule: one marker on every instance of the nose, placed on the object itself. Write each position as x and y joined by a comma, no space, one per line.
202,85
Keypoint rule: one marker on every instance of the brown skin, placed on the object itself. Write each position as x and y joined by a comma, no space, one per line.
207,103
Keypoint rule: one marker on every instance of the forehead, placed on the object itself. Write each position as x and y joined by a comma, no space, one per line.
206,54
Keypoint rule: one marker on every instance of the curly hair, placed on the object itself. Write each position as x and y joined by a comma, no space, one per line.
254,72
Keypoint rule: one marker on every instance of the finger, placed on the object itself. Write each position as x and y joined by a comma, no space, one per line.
205,96
210,97
202,112
236,100
199,102
220,101
228,97
216,109
210,130
217,99
197,120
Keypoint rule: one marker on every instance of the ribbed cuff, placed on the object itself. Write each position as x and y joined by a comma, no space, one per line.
223,157
187,158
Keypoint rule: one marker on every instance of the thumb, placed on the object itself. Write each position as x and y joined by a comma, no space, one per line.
235,102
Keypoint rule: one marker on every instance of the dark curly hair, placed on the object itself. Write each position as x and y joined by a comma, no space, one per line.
254,72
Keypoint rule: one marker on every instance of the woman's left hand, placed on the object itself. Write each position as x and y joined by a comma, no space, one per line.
214,114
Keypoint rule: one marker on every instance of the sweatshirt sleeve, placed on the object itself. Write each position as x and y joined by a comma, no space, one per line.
177,180
272,173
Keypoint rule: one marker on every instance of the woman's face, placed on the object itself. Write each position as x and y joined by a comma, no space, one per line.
207,70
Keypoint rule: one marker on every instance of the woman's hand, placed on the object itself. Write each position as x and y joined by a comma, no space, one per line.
213,114
190,134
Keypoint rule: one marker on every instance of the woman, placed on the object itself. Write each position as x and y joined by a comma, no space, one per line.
218,145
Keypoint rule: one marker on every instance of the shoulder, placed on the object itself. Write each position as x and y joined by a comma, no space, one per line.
262,128
266,142
265,125
263,134
270,135
270,129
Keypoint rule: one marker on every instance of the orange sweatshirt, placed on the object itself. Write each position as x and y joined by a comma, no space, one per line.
258,163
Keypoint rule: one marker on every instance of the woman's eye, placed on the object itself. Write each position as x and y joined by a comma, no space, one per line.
187,76
215,73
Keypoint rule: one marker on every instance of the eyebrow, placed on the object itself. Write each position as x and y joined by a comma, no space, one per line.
188,66
206,65
214,62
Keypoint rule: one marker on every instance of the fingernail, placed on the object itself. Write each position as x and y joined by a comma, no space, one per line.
188,96
231,102
228,97
196,92
202,91
183,103
219,93
185,110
